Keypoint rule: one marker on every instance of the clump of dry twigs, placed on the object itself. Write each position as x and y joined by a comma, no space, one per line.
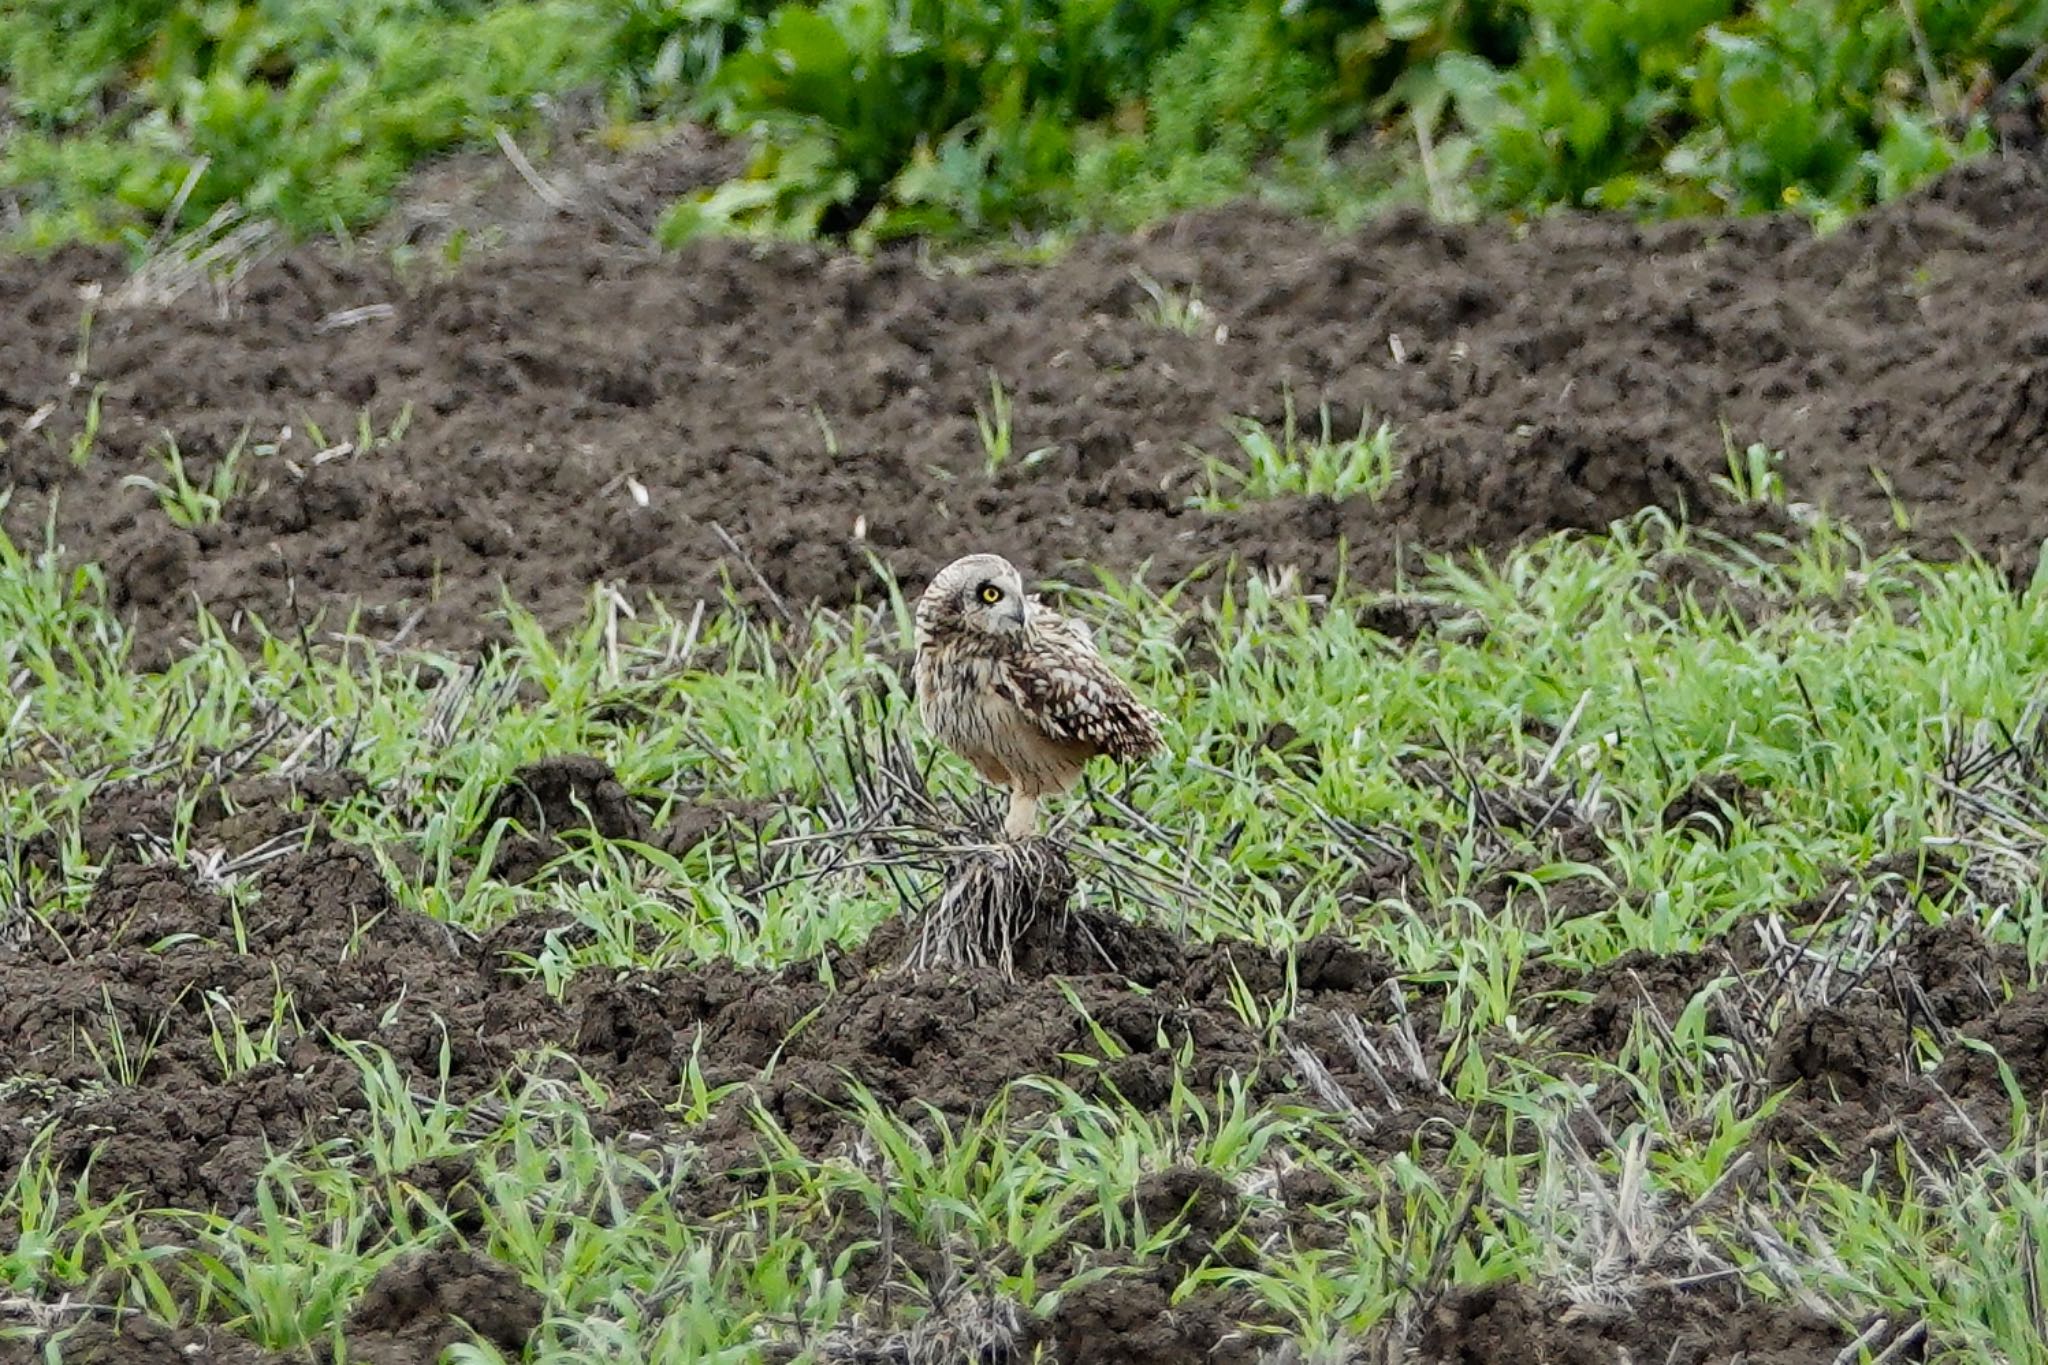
961,1324
993,897
972,896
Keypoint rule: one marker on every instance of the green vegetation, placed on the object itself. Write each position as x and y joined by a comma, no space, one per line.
972,116
190,504
992,423
1583,762
1326,465
1841,697
1175,310
305,113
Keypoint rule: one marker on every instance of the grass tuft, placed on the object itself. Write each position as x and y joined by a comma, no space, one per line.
1295,465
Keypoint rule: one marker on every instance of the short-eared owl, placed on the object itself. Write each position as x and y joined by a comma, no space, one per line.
1018,690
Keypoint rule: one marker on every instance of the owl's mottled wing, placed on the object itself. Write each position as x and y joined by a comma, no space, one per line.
1063,685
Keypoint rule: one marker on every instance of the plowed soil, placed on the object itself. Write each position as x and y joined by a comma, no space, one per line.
583,409
155,950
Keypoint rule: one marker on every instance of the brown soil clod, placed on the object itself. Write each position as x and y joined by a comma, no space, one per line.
1406,619
554,796
1712,805
421,1304
693,822
2018,1036
1509,1322
241,816
1840,1052
1203,1202
1954,974
133,1339
1124,1318
1623,994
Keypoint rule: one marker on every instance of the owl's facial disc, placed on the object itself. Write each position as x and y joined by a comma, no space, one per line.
997,603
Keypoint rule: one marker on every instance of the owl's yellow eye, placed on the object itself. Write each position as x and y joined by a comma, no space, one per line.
991,594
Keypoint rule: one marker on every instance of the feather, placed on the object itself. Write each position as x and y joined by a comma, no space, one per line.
1023,696
1061,683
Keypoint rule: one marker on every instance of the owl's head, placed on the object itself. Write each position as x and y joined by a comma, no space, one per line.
980,593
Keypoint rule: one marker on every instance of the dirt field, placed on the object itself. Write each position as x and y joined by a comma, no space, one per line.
183,1139
815,409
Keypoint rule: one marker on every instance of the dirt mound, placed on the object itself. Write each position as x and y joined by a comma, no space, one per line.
576,411
570,792
546,799
1956,977
1692,1327
1840,1055
420,1305
1129,1318
138,1340
1855,1092
1623,995
237,816
1845,1052
2018,1034
951,1039
178,1034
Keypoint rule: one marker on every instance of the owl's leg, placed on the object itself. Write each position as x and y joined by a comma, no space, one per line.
1022,821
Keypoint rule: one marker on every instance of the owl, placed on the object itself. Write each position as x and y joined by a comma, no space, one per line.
1017,689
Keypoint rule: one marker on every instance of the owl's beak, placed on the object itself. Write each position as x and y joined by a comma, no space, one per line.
1014,612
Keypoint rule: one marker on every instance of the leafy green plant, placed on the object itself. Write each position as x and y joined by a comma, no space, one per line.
191,504
121,1059
902,116
665,51
882,118
308,114
1328,465
993,425
1753,476
1715,106
88,435
237,1047
1237,90
1173,309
